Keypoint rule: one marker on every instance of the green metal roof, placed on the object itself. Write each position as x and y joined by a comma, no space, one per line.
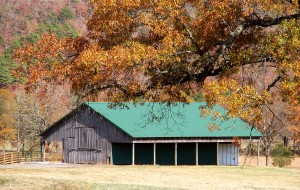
156,120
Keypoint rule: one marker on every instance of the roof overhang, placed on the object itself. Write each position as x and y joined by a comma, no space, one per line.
191,140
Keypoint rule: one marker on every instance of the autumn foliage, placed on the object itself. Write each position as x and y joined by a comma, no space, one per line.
160,50
7,121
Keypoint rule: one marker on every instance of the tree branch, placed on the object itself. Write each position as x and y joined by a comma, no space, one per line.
194,41
270,22
273,83
208,67
114,84
275,115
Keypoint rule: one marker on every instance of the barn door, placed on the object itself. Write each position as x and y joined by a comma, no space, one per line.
101,153
68,147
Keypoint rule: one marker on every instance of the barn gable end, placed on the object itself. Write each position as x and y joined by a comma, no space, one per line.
87,136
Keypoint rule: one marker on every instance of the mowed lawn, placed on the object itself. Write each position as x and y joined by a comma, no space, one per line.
86,177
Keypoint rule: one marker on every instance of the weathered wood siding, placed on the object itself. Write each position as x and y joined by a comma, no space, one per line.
87,137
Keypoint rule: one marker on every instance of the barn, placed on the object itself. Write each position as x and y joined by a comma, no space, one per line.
149,133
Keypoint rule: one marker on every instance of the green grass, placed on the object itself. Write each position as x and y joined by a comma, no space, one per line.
4,181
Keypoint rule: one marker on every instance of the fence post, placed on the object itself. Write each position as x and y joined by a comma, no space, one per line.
4,158
11,157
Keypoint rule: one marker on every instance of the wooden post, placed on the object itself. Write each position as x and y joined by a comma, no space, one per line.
217,153
237,149
132,153
258,153
197,163
18,154
111,157
175,154
44,151
74,155
154,154
4,158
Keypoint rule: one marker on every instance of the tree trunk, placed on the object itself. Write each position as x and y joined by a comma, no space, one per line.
41,146
18,140
267,152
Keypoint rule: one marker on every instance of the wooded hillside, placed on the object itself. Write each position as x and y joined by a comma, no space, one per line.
23,114
28,18
25,21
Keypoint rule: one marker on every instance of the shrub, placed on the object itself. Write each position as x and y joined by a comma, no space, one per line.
65,14
281,156
1,40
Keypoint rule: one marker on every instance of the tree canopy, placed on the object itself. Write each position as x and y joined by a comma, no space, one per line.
160,50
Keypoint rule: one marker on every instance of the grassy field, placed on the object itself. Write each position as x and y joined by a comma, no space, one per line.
87,177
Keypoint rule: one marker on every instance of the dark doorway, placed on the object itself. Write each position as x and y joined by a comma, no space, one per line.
207,153
186,154
122,153
165,154
143,153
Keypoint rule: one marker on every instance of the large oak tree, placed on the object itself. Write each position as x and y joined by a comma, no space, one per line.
155,50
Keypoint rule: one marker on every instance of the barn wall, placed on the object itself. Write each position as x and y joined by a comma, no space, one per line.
63,129
228,154
87,137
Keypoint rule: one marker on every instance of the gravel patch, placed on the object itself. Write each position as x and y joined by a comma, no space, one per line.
40,165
